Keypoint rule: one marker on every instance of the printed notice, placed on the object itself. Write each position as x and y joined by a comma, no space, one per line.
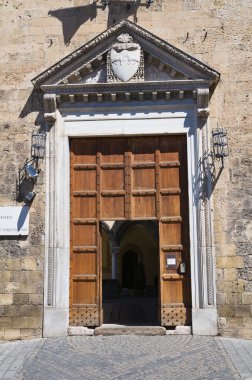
14,220
171,261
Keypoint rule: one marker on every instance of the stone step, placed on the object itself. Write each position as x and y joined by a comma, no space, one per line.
129,330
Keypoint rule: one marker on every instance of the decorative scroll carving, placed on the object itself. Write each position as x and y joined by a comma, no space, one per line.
203,112
50,106
93,70
51,220
49,103
125,61
97,76
153,73
202,102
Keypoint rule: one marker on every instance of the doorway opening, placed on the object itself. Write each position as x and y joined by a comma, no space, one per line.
130,272
131,187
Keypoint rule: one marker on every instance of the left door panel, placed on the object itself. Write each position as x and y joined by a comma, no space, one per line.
85,237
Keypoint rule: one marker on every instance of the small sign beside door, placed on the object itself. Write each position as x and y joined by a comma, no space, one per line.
170,261
14,220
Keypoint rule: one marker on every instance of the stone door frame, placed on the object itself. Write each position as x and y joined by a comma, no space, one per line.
186,116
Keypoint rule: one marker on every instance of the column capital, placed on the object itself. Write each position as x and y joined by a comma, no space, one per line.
114,250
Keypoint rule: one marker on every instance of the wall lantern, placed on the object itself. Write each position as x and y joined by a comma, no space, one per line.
108,2
38,145
28,174
27,178
220,144
30,171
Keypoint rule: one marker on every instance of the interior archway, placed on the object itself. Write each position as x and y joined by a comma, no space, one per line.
130,273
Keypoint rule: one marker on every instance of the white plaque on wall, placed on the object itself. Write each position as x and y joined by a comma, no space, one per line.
14,220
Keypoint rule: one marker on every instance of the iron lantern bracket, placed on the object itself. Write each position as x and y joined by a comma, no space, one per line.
115,2
220,144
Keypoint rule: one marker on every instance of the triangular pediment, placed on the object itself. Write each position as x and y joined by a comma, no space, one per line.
162,61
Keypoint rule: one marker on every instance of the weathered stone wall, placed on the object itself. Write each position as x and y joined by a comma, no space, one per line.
33,36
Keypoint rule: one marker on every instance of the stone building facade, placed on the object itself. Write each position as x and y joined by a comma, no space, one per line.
34,37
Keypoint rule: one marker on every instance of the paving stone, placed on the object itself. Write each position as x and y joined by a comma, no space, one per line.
183,357
240,352
129,357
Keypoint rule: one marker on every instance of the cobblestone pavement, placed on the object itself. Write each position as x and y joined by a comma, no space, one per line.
13,355
125,357
240,352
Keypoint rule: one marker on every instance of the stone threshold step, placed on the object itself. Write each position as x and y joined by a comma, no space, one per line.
129,330
112,329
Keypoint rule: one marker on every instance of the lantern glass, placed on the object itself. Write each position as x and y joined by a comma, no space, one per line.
38,145
30,171
220,143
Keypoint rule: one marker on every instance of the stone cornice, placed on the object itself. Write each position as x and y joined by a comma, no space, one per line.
125,86
150,43
129,91
58,96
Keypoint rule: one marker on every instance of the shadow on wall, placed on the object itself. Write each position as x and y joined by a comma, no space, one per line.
121,10
34,104
73,18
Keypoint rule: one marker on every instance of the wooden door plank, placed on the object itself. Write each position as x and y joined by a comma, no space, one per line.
174,232
84,302
129,178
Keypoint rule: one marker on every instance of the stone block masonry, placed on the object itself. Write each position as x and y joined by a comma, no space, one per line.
21,299
34,36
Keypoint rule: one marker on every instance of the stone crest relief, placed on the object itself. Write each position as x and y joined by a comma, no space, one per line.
125,61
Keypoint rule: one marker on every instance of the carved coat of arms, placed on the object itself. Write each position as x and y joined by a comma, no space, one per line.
125,57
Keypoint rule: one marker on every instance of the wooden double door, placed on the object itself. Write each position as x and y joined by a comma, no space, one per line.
129,178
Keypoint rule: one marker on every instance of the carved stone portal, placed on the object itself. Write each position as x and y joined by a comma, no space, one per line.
125,60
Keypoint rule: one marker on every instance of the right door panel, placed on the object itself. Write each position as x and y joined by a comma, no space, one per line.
175,286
